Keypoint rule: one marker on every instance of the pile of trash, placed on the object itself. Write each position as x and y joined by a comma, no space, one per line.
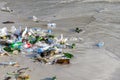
43,43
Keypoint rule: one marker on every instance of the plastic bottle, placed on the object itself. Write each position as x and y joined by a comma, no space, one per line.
54,78
20,38
16,45
49,31
100,44
29,50
8,63
24,32
42,49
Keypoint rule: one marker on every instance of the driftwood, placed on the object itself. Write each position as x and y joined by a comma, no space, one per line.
8,22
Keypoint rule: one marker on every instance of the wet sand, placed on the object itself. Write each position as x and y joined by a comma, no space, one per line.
100,21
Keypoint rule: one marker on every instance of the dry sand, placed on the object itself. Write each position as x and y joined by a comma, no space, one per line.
100,20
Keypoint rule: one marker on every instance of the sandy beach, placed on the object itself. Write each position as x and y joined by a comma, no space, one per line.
100,21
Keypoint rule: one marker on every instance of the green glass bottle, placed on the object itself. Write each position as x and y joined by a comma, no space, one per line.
8,49
54,78
16,45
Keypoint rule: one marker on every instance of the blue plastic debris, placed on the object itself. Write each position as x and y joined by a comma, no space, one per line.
49,31
100,44
40,50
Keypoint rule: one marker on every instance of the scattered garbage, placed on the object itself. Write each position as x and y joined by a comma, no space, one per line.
47,47
6,9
